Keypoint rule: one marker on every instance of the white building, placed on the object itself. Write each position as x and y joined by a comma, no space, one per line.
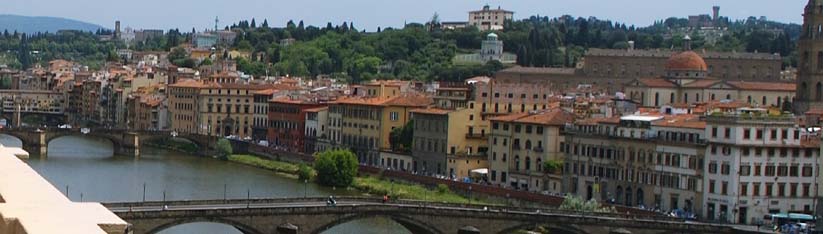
757,164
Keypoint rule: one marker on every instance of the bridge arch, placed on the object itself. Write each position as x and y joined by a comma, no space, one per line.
148,138
18,141
413,225
240,226
116,142
554,228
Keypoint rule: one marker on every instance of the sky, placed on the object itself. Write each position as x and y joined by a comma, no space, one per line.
370,14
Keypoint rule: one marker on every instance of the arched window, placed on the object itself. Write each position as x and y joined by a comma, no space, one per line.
806,59
820,60
539,164
712,97
685,98
656,99
517,162
528,144
728,97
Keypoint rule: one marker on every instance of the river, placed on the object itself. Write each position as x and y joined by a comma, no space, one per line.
86,170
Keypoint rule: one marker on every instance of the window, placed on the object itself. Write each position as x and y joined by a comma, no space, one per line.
773,134
769,189
745,170
711,186
756,189
728,133
394,116
724,169
759,134
714,132
782,171
807,171
806,190
781,189
756,170
746,134
713,167
793,189
744,189
769,170
724,188
793,171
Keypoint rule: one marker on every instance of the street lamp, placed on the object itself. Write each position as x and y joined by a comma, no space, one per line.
305,184
470,194
392,187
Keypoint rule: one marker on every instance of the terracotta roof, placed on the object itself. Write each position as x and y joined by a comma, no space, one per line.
431,111
814,111
656,82
764,86
409,100
318,109
702,83
554,117
681,121
686,61
188,83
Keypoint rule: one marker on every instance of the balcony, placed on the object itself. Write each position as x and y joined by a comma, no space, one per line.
538,149
476,136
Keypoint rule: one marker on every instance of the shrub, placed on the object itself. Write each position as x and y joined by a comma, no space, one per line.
442,189
223,148
336,167
305,172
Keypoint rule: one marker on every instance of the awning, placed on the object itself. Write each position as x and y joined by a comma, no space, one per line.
482,171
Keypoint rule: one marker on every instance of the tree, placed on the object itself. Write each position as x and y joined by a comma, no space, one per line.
336,167
265,23
223,147
552,166
401,138
574,203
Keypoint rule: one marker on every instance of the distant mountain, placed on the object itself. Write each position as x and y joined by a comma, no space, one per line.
33,24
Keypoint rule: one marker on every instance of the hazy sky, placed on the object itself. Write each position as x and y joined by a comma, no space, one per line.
370,14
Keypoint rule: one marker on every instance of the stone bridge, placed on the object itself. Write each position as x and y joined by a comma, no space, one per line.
124,142
312,215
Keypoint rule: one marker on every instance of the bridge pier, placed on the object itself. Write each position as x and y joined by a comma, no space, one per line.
130,145
37,144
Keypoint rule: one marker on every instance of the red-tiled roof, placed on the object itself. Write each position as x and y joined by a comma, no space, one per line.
431,111
554,117
656,82
764,86
686,61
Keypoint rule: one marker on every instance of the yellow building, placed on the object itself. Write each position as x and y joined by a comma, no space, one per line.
209,108
366,122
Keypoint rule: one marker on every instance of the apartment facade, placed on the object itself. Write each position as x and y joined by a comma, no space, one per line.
519,145
758,163
489,19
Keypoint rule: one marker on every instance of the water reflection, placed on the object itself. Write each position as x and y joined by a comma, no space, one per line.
86,167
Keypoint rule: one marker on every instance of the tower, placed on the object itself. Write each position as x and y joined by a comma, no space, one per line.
117,29
715,13
809,94
216,22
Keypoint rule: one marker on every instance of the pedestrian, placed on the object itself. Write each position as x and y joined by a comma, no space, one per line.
385,198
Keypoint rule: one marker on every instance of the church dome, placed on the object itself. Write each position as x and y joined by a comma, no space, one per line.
686,61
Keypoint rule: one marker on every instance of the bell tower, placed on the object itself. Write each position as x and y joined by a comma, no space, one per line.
809,93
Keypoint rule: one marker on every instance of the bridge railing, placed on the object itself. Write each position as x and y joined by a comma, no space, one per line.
376,201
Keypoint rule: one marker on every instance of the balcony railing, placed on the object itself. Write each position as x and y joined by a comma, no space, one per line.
475,136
